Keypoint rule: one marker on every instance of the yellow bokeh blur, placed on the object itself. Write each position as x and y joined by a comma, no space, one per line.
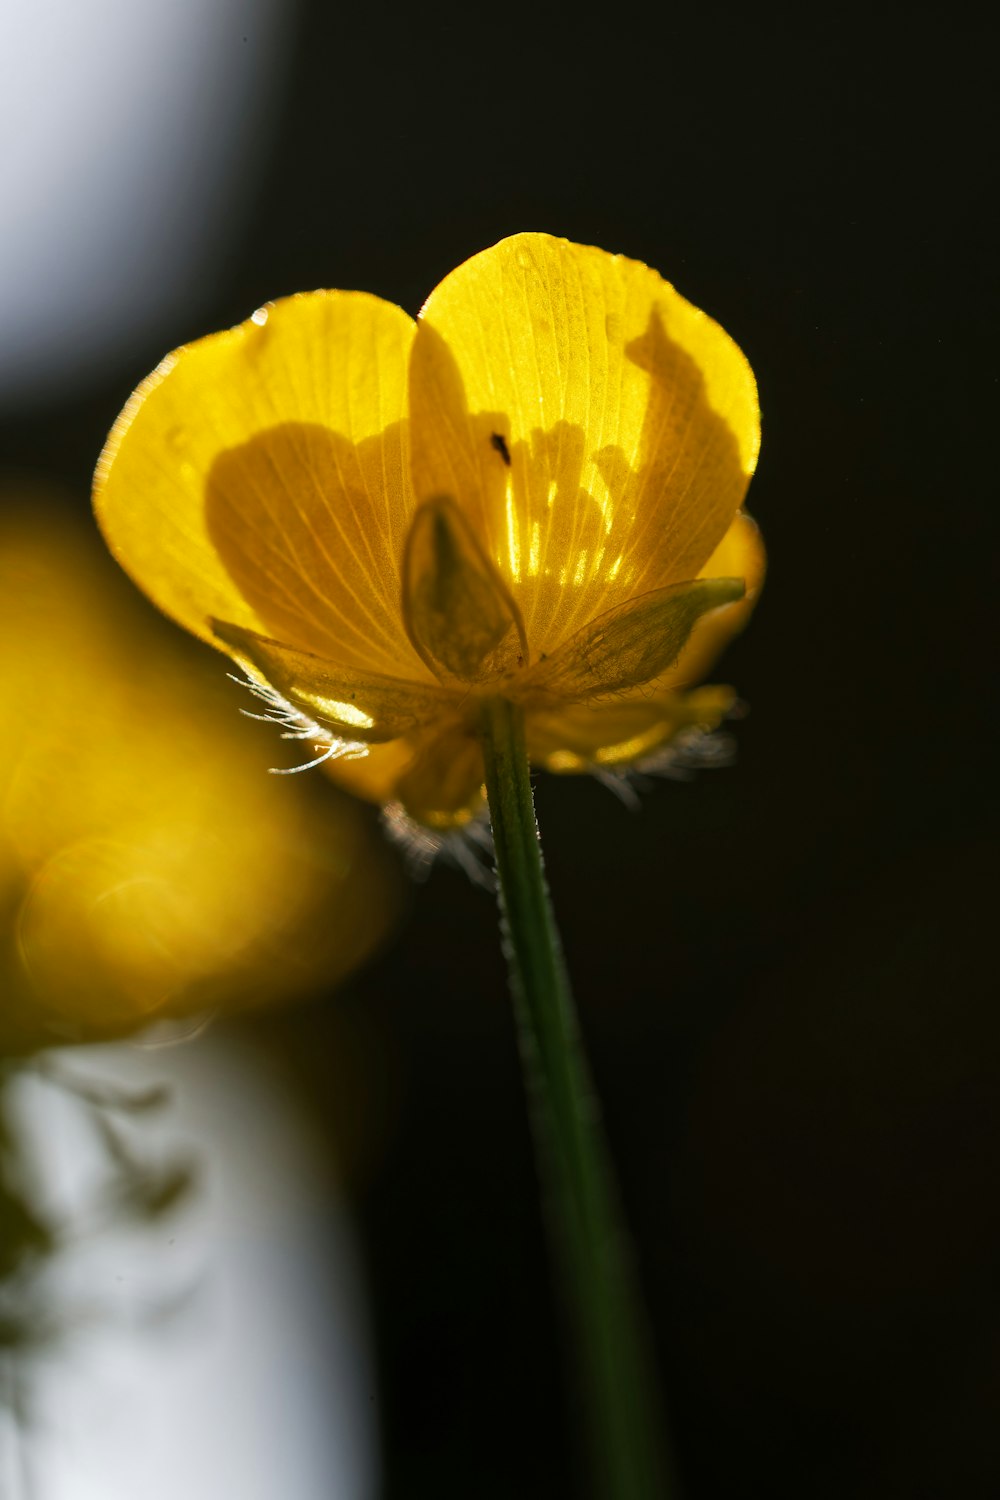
148,864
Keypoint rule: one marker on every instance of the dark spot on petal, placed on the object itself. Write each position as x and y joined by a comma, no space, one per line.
499,442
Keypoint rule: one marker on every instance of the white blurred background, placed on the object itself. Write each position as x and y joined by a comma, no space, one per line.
128,134
216,1348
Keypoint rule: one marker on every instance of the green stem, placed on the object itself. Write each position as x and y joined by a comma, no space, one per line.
628,1442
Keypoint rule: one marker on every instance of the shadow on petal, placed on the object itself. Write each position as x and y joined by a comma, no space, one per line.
630,423
311,527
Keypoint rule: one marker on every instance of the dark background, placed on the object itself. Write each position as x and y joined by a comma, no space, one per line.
786,969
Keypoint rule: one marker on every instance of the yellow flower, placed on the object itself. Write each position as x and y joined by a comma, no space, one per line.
532,491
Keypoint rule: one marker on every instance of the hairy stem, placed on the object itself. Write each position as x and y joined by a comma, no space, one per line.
628,1442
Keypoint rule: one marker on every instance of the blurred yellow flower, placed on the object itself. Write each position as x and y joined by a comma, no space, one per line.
533,492
147,865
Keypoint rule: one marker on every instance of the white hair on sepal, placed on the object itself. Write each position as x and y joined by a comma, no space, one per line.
469,848
296,725
690,751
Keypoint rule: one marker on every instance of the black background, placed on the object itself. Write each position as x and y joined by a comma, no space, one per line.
785,970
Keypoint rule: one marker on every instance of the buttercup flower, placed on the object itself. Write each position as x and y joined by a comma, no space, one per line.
532,491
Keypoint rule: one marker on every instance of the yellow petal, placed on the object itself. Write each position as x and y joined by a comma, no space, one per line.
629,645
353,705
459,616
436,776
442,787
597,429
740,554
373,776
260,476
582,736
